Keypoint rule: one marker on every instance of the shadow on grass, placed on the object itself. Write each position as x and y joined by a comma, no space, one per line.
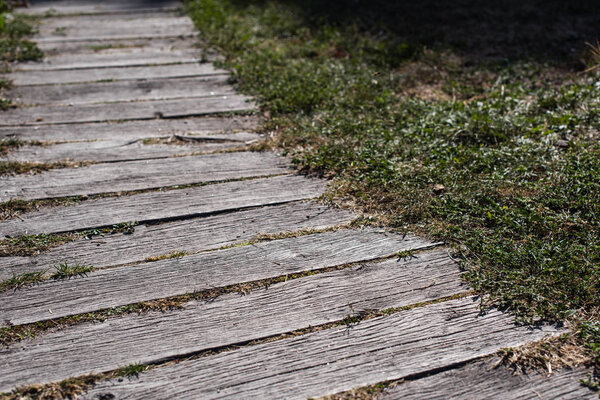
503,30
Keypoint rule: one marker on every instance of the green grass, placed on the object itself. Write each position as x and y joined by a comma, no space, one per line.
14,29
28,245
66,271
498,156
132,370
22,280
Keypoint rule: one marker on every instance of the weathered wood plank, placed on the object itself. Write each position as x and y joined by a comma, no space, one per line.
129,90
159,206
23,78
133,130
335,360
125,285
127,150
189,236
143,174
93,28
54,7
230,319
480,380
113,53
126,111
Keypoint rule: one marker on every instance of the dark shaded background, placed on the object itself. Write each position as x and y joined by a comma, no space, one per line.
506,29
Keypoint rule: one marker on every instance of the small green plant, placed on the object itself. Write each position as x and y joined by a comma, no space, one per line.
405,255
66,271
132,370
18,281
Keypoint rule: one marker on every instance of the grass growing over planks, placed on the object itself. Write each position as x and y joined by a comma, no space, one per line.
492,145
66,271
22,280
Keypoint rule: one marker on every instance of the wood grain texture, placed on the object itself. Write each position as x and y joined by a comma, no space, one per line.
113,53
133,90
190,236
93,28
51,77
480,380
230,319
335,360
159,206
143,174
126,285
53,7
127,150
126,111
132,130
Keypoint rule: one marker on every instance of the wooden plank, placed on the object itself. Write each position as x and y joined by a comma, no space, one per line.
53,114
230,319
129,26
127,150
23,78
126,285
480,380
404,344
113,53
121,21
189,236
143,174
208,126
167,205
120,91
54,7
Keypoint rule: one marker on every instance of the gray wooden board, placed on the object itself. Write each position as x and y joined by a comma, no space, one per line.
53,114
131,284
334,360
190,236
121,21
480,380
112,53
230,319
132,130
129,90
126,150
142,174
164,205
84,28
54,7
115,73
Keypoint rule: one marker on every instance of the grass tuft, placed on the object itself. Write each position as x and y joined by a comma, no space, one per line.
130,371
18,281
66,271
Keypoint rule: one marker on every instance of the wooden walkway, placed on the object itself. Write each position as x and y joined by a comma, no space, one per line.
277,296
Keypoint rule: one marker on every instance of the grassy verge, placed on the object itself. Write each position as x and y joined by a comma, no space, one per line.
492,145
